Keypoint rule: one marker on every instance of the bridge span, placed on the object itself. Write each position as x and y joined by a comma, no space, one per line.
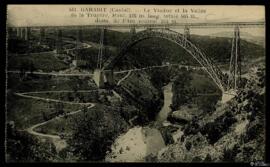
162,31
171,25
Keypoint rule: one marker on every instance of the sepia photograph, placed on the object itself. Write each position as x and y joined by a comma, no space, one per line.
135,83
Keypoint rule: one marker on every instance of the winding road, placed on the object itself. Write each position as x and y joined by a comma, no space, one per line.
32,131
53,73
125,77
52,100
115,72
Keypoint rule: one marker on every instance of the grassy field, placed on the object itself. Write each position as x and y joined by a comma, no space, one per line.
59,125
65,125
145,53
40,61
203,83
82,97
26,112
46,83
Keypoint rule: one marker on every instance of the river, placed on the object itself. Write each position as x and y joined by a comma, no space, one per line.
163,114
139,142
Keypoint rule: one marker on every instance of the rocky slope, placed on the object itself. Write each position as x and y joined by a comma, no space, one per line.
233,132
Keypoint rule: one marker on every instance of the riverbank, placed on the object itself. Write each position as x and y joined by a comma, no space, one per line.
142,141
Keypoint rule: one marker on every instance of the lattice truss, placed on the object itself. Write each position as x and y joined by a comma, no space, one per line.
178,38
235,62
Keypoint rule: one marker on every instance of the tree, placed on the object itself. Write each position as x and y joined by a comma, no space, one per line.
22,71
159,77
84,109
181,88
59,108
32,67
23,147
94,132
44,116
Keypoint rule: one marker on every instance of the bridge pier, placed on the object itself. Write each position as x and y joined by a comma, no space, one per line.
59,41
10,32
21,33
99,78
186,36
27,33
187,33
109,79
18,32
228,95
42,34
235,61
132,30
79,35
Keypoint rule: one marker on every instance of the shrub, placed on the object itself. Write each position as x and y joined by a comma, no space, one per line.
188,145
95,131
229,154
215,130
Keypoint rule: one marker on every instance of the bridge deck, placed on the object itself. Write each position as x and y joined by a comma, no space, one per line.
175,25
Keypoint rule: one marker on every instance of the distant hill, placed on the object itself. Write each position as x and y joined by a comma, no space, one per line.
259,40
156,51
113,38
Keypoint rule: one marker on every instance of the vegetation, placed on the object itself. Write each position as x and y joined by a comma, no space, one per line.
139,91
160,77
95,131
155,52
23,147
220,126
211,135
234,132
89,56
146,53
32,83
182,92
39,61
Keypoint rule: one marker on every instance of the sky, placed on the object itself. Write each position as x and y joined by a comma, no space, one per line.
60,15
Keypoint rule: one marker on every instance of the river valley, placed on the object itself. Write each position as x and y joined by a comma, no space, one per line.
141,141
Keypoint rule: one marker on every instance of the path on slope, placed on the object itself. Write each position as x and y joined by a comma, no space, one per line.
124,78
115,72
32,131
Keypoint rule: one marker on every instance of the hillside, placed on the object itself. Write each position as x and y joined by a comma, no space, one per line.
232,133
196,126
148,52
259,40
155,51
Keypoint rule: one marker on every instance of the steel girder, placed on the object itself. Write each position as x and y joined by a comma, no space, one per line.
178,38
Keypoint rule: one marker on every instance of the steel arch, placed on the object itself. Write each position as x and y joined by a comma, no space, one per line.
178,38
